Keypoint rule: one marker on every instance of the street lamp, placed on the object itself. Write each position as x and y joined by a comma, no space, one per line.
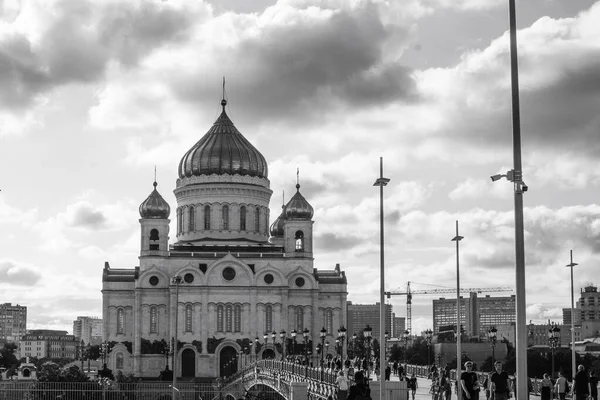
553,341
293,333
323,334
492,339
457,239
571,265
176,280
256,342
367,333
266,337
283,341
305,333
428,337
342,336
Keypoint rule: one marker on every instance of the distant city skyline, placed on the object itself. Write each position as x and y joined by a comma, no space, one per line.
92,104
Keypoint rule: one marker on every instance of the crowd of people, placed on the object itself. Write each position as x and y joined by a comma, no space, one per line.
498,385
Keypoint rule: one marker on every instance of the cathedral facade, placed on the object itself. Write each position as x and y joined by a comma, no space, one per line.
232,287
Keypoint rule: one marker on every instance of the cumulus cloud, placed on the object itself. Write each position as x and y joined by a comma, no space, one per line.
17,273
45,45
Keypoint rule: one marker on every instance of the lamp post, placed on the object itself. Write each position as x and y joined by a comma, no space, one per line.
81,348
293,333
354,337
176,280
305,333
553,341
457,239
516,176
492,339
367,333
266,337
342,337
251,352
428,337
283,341
322,334
405,337
256,342
381,182
571,265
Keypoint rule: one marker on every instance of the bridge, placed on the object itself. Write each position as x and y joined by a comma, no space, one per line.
280,380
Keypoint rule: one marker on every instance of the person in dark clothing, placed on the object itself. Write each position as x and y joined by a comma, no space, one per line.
500,385
581,384
412,385
360,390
388,372
469,383
593,385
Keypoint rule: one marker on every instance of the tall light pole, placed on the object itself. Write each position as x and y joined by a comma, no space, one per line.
571,265
428,337
516,176
381,182
553,341
457,239
492,332
405,337
176,280
305,333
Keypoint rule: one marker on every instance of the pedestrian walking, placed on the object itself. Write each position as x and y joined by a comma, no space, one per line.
561,387
546,388
342,385
412,385
593,385
581,384
500,385
469,382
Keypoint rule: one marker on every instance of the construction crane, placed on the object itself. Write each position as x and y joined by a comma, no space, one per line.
409,294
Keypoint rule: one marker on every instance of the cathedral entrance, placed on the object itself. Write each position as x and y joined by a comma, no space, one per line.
268,354
228,358
188,363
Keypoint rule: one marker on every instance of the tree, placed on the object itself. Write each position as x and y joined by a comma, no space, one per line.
8,359
49,372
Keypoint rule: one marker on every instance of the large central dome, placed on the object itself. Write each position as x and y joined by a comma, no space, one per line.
223,150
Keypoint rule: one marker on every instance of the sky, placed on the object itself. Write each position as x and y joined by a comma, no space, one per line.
95,94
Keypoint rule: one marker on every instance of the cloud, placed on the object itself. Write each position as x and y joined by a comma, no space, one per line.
56,43
17,273
480,188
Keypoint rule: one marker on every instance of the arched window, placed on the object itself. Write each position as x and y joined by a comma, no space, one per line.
219,318
299,317
192,221
228,318
268,319
299,241
153,319
257,219
188,318
120,321
329,321
237,318
179,221
225,217
206,218
120,361
242,218
153,239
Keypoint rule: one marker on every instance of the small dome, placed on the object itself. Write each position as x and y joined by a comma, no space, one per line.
298,207
155,206
223,150
276,229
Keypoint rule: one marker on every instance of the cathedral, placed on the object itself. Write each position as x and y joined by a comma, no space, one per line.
232,288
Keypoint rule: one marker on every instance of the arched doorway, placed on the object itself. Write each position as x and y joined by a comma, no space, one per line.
228,365
268,354
188,363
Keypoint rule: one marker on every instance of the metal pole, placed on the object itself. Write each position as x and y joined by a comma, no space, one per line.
521,320
457,239
573,370
381,182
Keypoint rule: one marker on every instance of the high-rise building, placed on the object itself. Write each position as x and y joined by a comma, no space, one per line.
229,277
589,304
567,316
477,314
48,344
361,315
13,322
88,329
